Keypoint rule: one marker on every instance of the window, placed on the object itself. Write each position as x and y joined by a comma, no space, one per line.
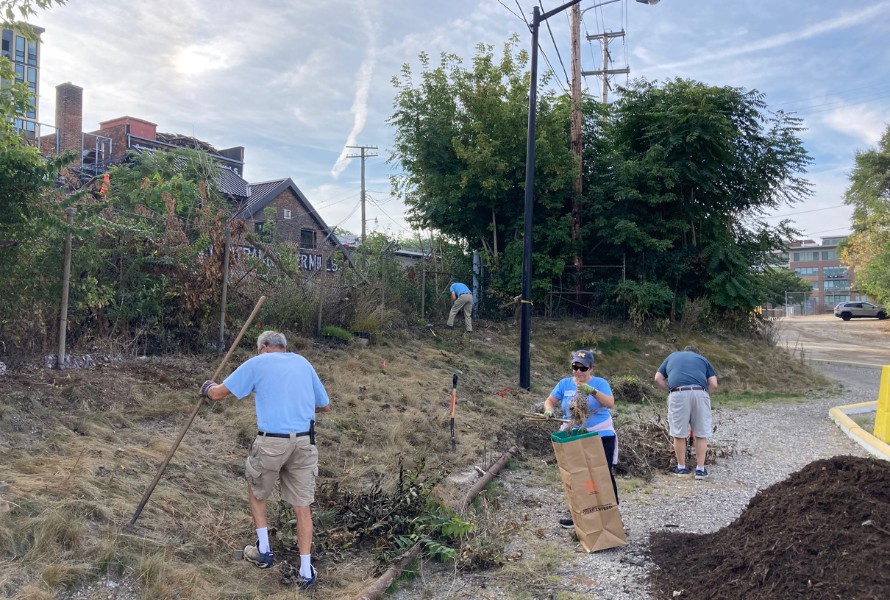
835,272
32,53
797,257
259,226
287,213
837,284
832,300
815,286
829,255
807,271
307,238
19,48
32,112
815,256
19,73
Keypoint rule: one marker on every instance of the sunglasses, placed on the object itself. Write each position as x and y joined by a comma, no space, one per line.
579,368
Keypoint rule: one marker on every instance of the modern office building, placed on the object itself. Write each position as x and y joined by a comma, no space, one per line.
25,58
819,263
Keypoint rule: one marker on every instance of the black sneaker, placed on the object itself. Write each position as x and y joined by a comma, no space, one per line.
449,327
701,473
567,523
261,560
681,471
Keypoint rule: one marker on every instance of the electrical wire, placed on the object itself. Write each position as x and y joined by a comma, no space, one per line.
824,110
830,95
803,212
540,47
555,47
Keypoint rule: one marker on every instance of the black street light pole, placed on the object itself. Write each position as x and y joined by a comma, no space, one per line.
525,333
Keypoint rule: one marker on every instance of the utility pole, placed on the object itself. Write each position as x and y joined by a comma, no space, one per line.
607,58
576,146
363,156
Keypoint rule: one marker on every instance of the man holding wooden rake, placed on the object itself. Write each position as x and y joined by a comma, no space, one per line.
288,393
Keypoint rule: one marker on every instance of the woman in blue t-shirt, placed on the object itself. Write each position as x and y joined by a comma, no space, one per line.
599,403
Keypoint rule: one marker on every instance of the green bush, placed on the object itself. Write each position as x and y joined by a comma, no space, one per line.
337,332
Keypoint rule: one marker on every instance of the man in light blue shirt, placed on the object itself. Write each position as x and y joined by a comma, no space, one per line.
288,393
463,301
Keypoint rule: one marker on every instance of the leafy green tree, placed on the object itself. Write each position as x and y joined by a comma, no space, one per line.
867,250
460,143
676,178
774,282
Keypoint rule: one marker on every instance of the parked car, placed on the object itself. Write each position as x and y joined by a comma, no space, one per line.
855,310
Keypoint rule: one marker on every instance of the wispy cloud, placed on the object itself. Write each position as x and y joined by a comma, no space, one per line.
363,85
843,21
867,126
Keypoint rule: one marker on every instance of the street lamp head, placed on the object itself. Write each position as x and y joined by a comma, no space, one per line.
648,1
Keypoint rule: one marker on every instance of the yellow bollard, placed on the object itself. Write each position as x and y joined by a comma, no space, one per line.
882,420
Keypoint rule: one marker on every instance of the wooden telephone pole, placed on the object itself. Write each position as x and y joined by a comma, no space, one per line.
362,156
607,58
576,146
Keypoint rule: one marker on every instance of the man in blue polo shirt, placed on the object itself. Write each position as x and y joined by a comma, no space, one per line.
288,393
690,380
463,300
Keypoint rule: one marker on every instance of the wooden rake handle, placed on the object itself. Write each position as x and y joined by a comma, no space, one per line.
151,488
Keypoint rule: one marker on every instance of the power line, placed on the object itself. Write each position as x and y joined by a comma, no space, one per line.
806,108
509,9
555,47
803,212
823,110
830,95
541,48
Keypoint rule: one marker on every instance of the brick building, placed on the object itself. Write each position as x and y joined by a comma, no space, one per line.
259,204
819,264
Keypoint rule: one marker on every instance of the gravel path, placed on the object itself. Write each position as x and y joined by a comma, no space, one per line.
771,442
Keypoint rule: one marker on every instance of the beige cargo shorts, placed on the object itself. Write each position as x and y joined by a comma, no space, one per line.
293,461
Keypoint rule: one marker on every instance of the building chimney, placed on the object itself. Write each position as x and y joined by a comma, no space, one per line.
69,116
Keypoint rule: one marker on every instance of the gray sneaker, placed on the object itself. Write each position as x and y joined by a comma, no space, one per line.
680,471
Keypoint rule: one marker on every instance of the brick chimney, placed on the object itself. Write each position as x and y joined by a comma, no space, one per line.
69,116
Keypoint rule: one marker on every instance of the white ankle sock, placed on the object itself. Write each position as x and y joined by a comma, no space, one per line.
681,466
305,566
263,535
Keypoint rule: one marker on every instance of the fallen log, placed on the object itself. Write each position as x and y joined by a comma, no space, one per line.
489,475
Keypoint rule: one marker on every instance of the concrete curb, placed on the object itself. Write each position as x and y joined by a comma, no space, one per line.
856,433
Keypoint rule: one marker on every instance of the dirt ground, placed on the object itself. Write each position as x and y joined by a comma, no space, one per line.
825,337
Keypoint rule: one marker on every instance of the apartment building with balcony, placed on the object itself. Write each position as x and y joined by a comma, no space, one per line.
818,262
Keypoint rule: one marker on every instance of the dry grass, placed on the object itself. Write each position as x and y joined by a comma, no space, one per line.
79,448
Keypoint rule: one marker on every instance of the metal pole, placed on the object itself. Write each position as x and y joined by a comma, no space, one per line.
66,276
225,290
525,335
476,268
422,281
324,273
605,67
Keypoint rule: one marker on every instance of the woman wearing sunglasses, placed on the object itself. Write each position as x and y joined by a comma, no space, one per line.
599,403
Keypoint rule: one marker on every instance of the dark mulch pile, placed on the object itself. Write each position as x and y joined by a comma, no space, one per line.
822,533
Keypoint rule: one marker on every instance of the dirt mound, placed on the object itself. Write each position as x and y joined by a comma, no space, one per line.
822,533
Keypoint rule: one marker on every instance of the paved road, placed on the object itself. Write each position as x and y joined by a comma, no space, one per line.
826,337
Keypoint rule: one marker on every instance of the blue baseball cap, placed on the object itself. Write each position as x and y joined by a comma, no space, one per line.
583,357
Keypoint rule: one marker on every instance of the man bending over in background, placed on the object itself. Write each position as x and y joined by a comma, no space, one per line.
288,393
690,380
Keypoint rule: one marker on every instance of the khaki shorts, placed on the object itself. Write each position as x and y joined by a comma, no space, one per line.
292,460
690,409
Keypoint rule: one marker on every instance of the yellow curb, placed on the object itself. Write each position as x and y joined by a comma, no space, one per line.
856,433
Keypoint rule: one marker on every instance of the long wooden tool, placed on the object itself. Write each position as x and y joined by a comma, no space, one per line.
453,397
151,488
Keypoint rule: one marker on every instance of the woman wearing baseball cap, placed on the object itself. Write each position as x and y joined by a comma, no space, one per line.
600,401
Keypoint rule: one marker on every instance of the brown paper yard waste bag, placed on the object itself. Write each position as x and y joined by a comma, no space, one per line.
592,502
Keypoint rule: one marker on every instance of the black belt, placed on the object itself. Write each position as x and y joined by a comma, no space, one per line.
310,433
682,388
283,435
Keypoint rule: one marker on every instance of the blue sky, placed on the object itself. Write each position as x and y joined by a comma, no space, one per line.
294,81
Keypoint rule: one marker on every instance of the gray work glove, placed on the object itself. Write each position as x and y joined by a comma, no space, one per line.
206,387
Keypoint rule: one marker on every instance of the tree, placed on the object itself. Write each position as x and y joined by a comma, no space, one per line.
460,143
867,250
774,282
676,178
